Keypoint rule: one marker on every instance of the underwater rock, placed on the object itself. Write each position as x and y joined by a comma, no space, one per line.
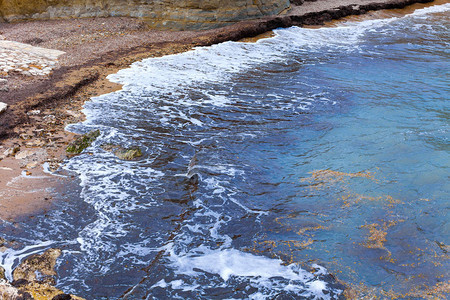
131,153
82,142
2,245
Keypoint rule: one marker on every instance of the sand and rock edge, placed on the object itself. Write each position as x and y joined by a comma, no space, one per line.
37,122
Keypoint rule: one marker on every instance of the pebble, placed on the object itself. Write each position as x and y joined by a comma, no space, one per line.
3,107
34,112
11,151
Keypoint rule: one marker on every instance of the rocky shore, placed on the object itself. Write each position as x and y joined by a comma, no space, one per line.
48,69
34,278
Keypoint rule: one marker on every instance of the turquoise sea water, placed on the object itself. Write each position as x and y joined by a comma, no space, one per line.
291,168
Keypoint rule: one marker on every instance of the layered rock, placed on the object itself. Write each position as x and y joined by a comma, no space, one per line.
169,14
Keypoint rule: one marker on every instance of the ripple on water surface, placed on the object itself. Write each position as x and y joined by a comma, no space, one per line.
264,163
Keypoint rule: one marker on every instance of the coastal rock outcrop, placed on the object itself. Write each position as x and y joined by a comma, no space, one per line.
34,278
38,267
177,15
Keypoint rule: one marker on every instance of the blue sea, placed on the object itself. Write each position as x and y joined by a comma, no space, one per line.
310,165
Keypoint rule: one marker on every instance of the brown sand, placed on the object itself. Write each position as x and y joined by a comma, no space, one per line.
40,108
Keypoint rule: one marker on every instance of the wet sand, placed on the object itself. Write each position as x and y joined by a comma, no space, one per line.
41,107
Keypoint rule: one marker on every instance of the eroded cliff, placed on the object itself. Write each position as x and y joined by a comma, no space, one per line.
183,14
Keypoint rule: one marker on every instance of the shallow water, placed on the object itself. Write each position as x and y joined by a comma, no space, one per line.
265,165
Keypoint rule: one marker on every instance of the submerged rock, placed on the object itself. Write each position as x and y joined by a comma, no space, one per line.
131,153
84,141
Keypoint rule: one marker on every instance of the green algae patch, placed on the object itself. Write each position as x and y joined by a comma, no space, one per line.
131,153
84,141
128,154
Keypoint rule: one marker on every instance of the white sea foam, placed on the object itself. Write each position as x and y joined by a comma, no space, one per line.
269,276
427,11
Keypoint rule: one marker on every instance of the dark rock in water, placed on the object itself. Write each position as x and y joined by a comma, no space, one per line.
19,282
83,142
131,153
62,297
128,154
26,296
194,179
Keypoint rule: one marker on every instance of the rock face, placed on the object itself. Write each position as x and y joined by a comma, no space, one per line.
168,14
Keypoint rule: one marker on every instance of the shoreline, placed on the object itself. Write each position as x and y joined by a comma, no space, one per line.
40,138
38,121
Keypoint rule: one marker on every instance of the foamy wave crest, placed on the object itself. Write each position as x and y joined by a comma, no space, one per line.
431,10
264,277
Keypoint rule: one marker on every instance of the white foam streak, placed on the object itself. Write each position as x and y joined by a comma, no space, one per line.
269,276
431,10
232,262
